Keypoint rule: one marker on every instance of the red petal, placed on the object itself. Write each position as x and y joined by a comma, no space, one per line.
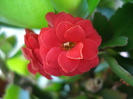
63,17
96,37
68,65
86,25
90,50
77,19
75,72
76,52
52,71
42,72
32,70
50,18
50,39
37,54
43,52
96,62
85,65
62,28
27,53
75,34
52,57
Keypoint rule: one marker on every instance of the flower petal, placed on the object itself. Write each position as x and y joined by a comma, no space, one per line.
73,73
43,52
52,57
42,72
68,65
27,53
90,49
50,18
37,54
76,52
32,70
62,28
86,25
75,34
77,19
50,39
52,71
96,37
85,65
63,17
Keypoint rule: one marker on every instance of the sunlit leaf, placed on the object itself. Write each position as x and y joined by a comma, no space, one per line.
74,7
92,4
18,64
25,13
15,92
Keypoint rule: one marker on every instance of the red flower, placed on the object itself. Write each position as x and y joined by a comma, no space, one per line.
31,52
69,46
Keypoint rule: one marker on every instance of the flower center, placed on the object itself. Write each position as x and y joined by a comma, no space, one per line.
68,45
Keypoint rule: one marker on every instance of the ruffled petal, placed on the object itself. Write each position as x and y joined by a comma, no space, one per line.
42,72
86,25
62,28
52,57
96,37
32,70
63,17
27,53
85,65
75,34
51,71
90,49
43,52
50,39
67,65
73,73
50,18
77,19
96,62
37,54
76,52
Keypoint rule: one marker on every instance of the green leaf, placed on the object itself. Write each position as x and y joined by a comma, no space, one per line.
54,87
112,94
126,63
12,40
103,27
92,4
127,1
75,7
122,23
25,13
117,41
15,92
2,38
81,97
18,64
118,70
6,47
107,4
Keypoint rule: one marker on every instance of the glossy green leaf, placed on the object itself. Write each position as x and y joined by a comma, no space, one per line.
112,94
75,7
25,13
15,92
122,23
103,27
19,65
118,70
117,41
126,63
92,4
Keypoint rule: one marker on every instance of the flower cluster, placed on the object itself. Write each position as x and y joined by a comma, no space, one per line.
69,46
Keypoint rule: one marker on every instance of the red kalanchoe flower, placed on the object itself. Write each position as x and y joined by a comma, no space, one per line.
31,53
69,46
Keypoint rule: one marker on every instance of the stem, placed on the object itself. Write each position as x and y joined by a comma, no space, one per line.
118,70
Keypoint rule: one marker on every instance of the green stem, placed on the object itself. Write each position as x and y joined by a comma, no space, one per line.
118,70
